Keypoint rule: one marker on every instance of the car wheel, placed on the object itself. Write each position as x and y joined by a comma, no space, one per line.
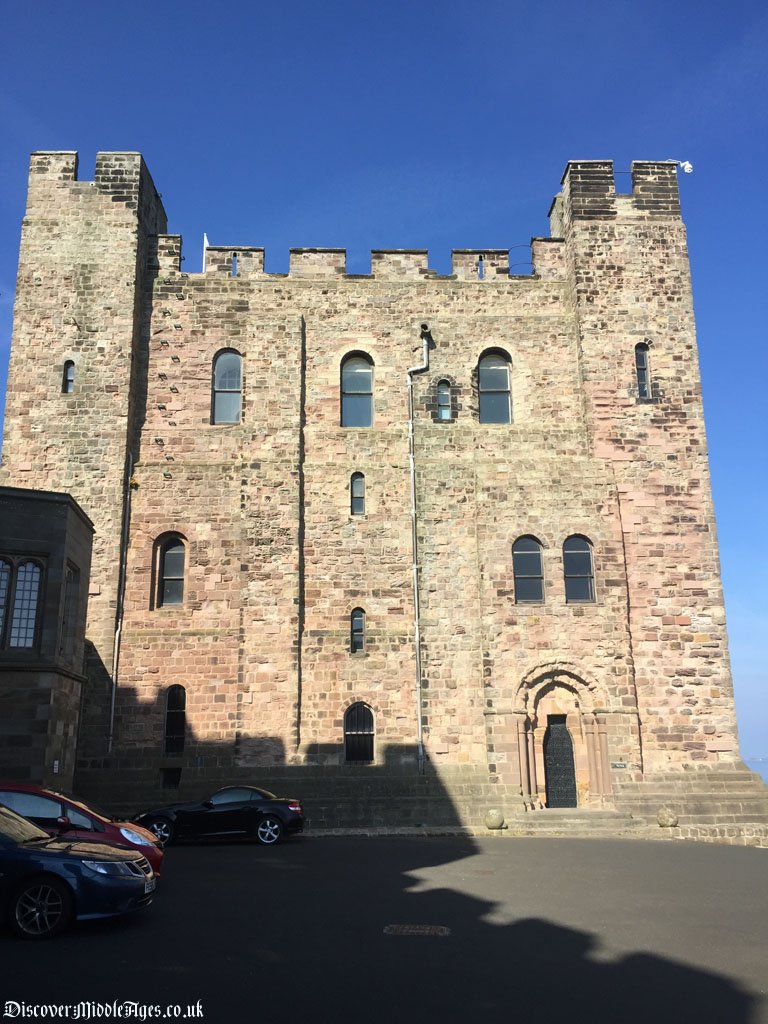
269,830
41,908
161,829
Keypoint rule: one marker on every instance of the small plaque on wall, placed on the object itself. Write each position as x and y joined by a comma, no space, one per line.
618,764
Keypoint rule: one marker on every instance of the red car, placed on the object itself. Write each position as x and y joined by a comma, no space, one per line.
67,817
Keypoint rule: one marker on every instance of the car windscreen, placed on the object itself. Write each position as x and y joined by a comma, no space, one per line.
88,808
16,828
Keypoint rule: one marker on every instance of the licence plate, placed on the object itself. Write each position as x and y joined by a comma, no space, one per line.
150,886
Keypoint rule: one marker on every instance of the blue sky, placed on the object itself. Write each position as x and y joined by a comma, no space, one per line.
434,125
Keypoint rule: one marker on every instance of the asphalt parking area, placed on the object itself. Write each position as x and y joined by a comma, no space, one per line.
401,929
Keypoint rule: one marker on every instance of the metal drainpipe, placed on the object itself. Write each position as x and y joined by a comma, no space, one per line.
120,597
426,338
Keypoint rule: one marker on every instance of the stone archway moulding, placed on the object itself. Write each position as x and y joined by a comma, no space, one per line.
591,696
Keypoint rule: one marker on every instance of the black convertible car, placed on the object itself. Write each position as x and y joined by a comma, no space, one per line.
232,811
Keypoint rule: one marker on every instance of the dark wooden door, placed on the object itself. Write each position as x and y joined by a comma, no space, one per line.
559,770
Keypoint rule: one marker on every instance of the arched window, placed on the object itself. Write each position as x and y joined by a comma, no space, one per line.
444,401
528,571
227,387
357,494
175,719
68,378
643,371
170,572
578,570
5,587
358,733
357,391
357,631
25,600
494,388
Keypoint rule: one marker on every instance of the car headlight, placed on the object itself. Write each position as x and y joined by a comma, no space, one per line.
134,837
108,867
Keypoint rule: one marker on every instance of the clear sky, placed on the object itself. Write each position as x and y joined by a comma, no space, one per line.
436,124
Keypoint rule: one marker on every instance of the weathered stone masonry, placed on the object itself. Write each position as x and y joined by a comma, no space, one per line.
275,562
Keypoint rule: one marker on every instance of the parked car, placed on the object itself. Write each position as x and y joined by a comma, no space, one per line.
70,818
45,883
232,811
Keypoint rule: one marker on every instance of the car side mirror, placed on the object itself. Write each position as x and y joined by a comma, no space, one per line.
208,803
63,823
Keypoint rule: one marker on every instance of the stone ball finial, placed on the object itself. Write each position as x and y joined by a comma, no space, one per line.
494,819
667,817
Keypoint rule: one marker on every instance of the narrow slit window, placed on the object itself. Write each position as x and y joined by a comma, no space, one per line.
578,570
480,268
234,264
227,387
444,400
69,611
357,392
357,494
25,600
643,371
494,387
68,378
357,631
358,734
175,720
171,573
528,571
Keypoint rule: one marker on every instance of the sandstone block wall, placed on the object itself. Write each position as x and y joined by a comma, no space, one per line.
276,562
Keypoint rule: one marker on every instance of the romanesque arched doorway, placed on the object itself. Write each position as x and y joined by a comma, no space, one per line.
562,741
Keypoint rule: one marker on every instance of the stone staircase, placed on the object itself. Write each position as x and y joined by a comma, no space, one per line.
719,804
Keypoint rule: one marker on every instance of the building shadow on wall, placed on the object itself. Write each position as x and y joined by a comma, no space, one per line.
135,776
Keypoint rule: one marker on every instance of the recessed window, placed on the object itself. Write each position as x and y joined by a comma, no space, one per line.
175,719
357,391
26,593
528,571
357,494
358,734
444,401
493,380
68,378
642,369
19,602
170,572
357,631
578,570
227,387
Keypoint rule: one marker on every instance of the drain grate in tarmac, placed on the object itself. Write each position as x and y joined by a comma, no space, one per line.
417,929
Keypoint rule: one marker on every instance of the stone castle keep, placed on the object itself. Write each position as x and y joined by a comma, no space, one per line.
266,458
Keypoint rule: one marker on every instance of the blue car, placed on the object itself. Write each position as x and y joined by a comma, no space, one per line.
46,883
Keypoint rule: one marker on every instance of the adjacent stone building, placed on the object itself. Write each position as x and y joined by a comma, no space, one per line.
45,556
452,530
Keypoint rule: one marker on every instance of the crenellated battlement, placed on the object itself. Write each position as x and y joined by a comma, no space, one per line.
589,192
483,265
124,177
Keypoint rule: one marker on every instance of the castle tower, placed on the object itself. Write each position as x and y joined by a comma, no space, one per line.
74,403
630,290
258,453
